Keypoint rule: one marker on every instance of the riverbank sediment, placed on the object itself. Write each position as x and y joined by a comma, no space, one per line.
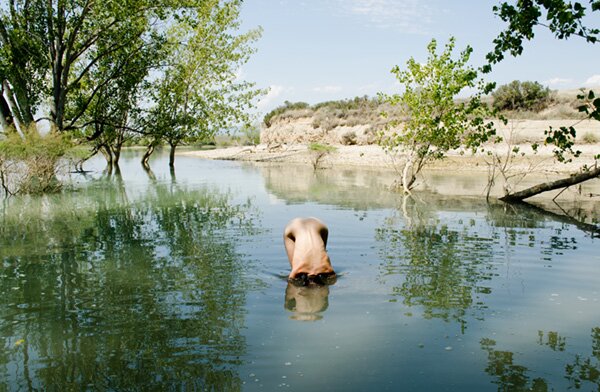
373,156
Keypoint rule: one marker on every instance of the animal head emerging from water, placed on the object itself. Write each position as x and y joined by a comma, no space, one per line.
305,241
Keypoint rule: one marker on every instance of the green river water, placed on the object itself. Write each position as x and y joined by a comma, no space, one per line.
154,281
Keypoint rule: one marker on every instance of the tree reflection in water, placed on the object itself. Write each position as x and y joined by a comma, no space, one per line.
109,290
508,375
580,372
440,268
586,370
447,268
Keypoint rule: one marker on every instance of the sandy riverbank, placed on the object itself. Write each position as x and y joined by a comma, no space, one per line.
372,156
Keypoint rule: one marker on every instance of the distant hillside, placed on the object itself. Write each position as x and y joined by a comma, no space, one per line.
358,120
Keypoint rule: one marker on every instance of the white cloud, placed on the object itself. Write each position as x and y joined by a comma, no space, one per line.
558,81
593,80
408,16
269,99
327,89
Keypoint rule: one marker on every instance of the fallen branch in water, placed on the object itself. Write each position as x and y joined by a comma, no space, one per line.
551,185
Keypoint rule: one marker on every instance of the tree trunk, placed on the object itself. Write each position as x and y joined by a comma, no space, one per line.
120,139
146,156
172,155
23,101
6,119
79,164
16,115
574,179
408,176
107,154
3,181
116,150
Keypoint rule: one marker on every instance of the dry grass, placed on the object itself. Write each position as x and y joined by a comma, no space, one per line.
589,138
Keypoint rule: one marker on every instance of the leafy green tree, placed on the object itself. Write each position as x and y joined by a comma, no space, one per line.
49,48
90,60
564,19
113,115
199,92
65,53
435,122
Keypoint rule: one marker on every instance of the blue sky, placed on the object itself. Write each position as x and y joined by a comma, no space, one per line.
318,50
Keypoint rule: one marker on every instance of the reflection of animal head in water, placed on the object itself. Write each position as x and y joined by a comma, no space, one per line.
306,302
304,279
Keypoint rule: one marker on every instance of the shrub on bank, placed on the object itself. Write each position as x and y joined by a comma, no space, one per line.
29,161
522,96
287,106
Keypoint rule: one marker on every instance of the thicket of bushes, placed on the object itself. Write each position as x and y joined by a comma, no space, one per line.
29,163
528,96
287,106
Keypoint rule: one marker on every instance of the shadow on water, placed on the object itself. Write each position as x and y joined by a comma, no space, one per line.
112,289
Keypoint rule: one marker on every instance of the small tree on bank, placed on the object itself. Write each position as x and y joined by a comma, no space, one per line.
435,123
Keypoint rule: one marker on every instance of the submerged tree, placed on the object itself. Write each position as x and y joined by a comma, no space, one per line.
58,58
86,63
199,92
112,92
435,122
564,19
